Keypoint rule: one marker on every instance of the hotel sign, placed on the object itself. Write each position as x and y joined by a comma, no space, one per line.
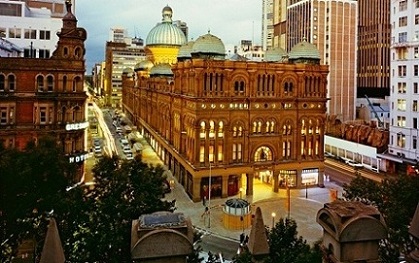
76,126
78,158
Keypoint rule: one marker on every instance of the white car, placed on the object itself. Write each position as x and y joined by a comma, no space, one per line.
354,164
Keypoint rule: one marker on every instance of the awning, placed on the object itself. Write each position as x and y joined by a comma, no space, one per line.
389,157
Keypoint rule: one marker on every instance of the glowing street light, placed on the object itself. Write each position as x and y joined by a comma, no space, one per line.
273,219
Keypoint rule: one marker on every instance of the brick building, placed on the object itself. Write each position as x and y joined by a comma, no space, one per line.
224,125
46,97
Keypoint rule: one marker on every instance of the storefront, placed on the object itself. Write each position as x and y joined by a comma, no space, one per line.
310,176
287,178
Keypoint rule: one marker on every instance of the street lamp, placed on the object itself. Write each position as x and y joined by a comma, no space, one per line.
209,197
273,219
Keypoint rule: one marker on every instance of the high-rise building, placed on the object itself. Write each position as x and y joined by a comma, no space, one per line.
332,27
373,66
182,26
404,92
121,52
46,97
279,12
32,25
223,125
267,23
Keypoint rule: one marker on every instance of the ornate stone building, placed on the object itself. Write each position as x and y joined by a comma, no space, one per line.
45,97
224,125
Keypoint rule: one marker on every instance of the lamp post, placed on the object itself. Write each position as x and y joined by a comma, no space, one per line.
273,219
209,197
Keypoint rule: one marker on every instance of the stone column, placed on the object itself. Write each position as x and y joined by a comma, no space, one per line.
224,192
249,188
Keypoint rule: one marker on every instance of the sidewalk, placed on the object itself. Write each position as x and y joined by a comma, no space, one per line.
303,211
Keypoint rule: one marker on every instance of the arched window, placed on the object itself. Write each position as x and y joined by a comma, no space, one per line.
240,133
220,129
64,114
212,129
259,126
234,131
303,127
263,154
318,127
2,82
254,127
50,83
268,127
65,83
310,127
40,83
76,83
76,113
272,127
203,132
11,82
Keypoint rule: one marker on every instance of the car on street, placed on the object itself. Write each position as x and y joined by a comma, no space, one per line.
354,164
119,130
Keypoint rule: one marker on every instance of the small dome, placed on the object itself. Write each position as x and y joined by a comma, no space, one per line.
163,69
165,33
143,65
237,203
127,71
304,50
185,50
275,54
209,45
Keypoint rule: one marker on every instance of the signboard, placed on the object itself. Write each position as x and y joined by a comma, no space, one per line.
78,158
76,126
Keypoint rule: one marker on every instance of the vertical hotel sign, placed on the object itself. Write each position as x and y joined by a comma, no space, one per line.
81,157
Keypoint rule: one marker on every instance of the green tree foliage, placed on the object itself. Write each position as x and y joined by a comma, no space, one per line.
243,257
286,247
94,223
122,193
31,182
396,199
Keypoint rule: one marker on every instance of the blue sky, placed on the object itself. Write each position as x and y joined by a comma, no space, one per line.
230,20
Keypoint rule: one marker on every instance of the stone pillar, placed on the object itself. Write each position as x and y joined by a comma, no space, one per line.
249,185
196,190
275,181
224,187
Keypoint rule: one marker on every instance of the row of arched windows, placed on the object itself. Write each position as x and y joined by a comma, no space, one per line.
48,83
265,85
7,83
210,130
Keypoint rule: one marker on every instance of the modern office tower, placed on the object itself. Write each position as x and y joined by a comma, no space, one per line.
267,23
32,25
373,65
121,52
332,27
222,125
404,92
46,97
182,26
279,38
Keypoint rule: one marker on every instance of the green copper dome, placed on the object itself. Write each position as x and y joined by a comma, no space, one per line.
143,65
162,69
185,50
304,52
165,33
127,71
275,54
209,45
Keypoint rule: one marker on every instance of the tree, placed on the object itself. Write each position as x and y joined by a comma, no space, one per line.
286,247
195,257
243,257
122,192
31,182
396,198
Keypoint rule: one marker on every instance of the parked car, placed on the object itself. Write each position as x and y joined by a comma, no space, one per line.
354,164
129,156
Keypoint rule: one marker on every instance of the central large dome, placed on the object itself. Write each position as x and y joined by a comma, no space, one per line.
165,33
